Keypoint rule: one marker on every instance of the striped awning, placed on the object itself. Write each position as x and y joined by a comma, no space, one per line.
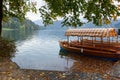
93,32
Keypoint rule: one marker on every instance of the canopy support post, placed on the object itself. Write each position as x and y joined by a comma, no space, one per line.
109,40
117,39
68,39
92,39
78,39
81,40
101,39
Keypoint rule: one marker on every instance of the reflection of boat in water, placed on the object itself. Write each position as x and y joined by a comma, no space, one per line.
93,42
86,63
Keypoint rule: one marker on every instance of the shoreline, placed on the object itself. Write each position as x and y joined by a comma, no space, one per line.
11,71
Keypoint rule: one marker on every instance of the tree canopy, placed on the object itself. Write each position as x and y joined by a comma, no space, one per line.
17,8
98,11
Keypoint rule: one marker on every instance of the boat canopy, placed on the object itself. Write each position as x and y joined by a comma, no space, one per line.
93,32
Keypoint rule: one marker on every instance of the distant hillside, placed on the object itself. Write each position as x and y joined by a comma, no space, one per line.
57,25
39,22
117,24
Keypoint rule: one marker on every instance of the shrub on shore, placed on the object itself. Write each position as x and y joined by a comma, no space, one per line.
7,48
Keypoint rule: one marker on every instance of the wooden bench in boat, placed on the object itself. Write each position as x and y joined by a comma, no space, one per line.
93,48
99,42
116,47
108,46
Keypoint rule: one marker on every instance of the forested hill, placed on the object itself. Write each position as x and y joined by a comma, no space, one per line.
14,23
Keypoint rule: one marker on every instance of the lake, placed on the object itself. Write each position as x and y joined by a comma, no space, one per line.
40,50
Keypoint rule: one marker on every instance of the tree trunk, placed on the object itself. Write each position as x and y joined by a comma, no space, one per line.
1,15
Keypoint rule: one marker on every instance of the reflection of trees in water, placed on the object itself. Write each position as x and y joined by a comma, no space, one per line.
17,35
87,64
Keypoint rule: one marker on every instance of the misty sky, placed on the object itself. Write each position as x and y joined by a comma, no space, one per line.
33,16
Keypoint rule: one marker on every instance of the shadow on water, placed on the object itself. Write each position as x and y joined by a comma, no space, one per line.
87,64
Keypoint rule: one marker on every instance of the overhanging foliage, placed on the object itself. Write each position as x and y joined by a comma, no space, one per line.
17,8
98,11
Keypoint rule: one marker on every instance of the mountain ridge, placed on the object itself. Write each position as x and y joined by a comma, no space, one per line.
58,25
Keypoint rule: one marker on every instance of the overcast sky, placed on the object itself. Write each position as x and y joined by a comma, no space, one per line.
33,16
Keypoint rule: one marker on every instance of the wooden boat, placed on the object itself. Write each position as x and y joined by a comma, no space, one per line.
89,44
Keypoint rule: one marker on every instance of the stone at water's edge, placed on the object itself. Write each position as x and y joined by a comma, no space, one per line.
115,72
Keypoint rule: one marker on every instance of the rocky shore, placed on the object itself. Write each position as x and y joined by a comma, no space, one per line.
10,71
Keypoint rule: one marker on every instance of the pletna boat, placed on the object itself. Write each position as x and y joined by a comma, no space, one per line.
100,42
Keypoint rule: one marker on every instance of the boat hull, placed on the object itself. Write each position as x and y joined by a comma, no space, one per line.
91,52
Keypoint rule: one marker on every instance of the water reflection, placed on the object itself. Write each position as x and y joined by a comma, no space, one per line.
40,50
87,64
18,35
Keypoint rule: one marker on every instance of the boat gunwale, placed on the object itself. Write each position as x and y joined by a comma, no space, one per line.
90,52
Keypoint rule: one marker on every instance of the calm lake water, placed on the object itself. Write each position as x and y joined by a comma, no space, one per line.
40,50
